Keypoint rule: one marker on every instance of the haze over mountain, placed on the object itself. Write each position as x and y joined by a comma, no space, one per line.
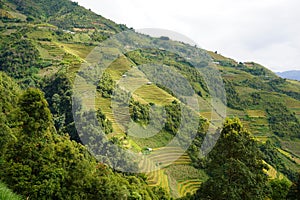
262,31
294,74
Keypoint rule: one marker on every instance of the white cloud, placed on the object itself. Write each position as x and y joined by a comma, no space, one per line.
265,31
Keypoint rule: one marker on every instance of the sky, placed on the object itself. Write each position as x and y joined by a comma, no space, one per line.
263,31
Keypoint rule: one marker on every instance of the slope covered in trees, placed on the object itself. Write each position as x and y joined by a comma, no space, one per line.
38,163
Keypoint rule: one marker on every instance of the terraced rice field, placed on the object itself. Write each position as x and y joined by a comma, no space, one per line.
256,113
289,155
169,155
163,158
155,176
188,186
292,146
105,105
271,172
77,49
153,94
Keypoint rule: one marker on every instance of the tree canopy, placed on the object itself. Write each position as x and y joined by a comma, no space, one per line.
235,166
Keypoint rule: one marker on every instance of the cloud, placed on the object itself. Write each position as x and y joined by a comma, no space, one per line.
265,31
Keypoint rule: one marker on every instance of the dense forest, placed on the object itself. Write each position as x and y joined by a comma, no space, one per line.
52,148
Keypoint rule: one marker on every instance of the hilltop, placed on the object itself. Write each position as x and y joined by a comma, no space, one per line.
45,43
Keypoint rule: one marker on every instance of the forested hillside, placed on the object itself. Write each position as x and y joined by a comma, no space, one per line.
44,153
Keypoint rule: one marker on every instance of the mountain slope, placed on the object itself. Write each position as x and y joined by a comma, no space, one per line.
44,43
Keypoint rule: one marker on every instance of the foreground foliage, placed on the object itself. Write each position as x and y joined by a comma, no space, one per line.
235,167
38,163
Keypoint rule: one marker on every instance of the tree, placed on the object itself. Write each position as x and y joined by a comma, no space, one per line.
294,193
173,118
104,123
280,189
9,92
41,164
106,85
235,166
19,58
34,112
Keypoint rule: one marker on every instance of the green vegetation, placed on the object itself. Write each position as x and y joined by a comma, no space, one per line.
106,85
280,189
173,117
104,123
140,113
282,122
42,154
64,14
19,58
235,167
7,194
33,160
170,59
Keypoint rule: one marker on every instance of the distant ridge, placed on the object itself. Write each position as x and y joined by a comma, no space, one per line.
293,74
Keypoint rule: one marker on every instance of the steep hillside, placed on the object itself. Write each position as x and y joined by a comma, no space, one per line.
63,14
47,45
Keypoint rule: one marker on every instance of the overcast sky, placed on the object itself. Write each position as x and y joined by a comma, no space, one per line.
264,31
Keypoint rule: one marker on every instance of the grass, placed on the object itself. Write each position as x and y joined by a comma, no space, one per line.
262,139
291,86
160,139
153,94
173,185
119,67
48,71
82,37
236,76
169,156
289,156
163,177
271,172
9,31
259,126
186,172
118,130
44,53
166,156
17,15
288,162
79,50
204,105
155,176
105,105
169,177
245,90
40,34
53,50
218,56
7,194
291,146
136,81
188,186
256,113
